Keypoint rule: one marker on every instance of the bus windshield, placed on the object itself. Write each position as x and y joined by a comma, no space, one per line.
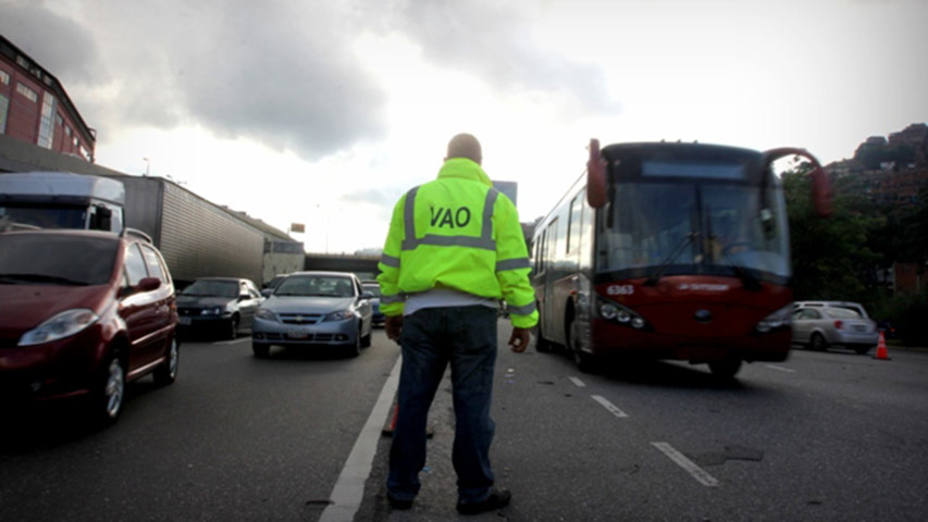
693,227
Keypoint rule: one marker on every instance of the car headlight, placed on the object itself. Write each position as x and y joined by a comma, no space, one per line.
617,313
779,319
267,315
216,310
340,315
61,325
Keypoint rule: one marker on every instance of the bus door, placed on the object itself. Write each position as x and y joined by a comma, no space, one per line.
549,314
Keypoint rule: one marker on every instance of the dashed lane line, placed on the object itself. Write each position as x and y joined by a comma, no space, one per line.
577,382
612,408
780,368
680,459
348,492
234,341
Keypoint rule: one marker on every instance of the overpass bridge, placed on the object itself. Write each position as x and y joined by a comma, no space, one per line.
364,266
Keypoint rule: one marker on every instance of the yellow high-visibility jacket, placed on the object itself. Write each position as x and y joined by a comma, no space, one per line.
457,232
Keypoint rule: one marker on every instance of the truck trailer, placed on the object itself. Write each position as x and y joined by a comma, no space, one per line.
196,237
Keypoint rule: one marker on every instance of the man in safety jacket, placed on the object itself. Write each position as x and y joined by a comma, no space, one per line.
454,249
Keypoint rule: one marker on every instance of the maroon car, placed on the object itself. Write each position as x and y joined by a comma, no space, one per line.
81,314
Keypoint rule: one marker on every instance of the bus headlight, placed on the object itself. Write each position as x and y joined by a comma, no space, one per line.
619,314
779,319
608,311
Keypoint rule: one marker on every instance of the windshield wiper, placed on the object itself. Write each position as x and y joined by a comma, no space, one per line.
14,279
748,280
656,276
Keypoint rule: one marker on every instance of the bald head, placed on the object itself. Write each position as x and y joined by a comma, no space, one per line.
464,146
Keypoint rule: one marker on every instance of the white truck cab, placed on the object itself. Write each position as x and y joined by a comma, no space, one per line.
62,200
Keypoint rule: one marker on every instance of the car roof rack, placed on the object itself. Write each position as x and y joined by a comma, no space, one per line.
127,231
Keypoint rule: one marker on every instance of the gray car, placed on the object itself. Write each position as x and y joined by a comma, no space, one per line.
314,309
820,326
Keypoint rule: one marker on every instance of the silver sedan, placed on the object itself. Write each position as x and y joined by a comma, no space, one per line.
823,326
314,309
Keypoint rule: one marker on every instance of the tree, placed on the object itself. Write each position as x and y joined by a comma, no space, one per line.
832,258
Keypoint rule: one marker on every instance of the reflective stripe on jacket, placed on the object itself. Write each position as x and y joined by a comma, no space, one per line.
457,232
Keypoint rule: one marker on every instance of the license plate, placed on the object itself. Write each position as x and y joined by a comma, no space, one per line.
185,320
296,334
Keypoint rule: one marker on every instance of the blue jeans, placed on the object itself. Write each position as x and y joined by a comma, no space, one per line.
432,337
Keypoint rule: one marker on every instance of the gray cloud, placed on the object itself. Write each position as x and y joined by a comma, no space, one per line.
71,54
493,39
281,72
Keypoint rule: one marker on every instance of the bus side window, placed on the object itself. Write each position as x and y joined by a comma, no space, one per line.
573,224
551,244
540,253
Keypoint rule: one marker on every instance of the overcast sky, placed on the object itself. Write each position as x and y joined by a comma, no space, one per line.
325,112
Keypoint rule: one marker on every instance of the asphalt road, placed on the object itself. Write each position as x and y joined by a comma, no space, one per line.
823,436
234,438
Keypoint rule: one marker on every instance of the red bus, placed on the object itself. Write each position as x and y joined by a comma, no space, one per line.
670,251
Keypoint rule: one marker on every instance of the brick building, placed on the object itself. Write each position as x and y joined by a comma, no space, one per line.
35,108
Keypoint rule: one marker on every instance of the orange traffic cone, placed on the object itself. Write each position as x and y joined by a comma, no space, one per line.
881,352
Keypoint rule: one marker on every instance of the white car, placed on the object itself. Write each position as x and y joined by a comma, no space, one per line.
821,325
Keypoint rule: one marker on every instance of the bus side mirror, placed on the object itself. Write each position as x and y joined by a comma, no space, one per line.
821,188
595,177
821,192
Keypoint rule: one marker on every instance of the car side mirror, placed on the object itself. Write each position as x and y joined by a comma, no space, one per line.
244,297
266,292
367,295
147,284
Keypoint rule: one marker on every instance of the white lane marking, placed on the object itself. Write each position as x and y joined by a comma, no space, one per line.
680,459
780,368
348,492
609,406
577,382
234,341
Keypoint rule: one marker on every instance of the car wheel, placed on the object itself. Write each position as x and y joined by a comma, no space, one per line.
110,393
818,342
233,327
355,349
166,373
261,351
725,369
366,340
586,362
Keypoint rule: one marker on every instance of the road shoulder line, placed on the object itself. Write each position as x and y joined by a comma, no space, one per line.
348,492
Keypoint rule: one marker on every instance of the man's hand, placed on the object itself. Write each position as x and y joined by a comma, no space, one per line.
519,339
394,326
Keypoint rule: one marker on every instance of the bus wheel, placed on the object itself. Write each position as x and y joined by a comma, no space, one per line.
725,369
586,362
542,345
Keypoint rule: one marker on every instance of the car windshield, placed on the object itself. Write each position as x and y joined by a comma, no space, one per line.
56,260
843,313
374,289
212,288
326,286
